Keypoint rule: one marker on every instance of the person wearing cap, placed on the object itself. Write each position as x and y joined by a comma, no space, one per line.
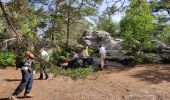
27,77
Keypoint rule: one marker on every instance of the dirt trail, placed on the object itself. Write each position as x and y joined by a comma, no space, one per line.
143,82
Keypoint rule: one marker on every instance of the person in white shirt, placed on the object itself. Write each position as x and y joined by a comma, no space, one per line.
102,52
43,67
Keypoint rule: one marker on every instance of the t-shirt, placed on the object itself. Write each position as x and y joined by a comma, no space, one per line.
44,55
28,65
85,53
102,50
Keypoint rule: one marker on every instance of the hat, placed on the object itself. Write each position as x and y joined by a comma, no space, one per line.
30,54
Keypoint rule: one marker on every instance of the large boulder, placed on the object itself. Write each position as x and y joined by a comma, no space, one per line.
115,48
96,38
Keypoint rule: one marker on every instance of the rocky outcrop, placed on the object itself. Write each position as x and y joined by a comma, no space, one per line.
115,50
96,38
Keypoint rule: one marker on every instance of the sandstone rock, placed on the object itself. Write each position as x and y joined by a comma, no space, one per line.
96,38
116,52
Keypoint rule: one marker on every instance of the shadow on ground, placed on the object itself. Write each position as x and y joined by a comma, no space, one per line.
4,99
154,74
11,80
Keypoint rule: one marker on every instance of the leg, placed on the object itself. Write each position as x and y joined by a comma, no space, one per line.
84,61
22,85
71,64
29,84
46,72
41,70
101,61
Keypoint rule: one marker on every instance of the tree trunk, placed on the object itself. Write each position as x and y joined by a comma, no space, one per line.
57,5
52,33
68,25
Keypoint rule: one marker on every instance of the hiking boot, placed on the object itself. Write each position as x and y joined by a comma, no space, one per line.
46,77
28,95
13,97
41,77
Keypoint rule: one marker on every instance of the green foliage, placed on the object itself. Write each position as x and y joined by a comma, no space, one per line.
6,59
149,58
166,57
59,56
165,35
106,24
79,73
88,11
137,25
138,59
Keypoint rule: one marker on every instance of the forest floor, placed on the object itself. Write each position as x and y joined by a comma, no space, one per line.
142,82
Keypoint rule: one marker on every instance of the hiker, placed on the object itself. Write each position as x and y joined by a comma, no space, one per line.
43,64
27,77
73,61
102,52
87,60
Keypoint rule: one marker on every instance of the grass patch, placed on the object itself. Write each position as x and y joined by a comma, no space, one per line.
80,73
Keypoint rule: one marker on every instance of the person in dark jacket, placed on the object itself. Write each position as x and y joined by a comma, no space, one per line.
74,61
27,77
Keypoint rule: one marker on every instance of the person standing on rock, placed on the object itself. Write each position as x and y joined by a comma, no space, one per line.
27,77
43,65
102,52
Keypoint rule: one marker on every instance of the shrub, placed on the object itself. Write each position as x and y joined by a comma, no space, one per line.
6,59
138,59
59,56
79,73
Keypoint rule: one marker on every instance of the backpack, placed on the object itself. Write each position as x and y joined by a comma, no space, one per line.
20,55
19,62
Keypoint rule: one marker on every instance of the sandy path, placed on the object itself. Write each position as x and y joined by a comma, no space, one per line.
144,82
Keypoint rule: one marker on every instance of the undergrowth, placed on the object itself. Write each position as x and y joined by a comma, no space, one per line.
79,73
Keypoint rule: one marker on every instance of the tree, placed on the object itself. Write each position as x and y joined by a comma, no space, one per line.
66,14
161,10
74,11
165,35
105,23
23,19
137,25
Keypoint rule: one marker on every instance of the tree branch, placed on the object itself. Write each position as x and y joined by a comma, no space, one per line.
9,22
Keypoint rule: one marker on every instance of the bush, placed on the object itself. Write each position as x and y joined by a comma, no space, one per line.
79,73
6,59
59,56
138,59
148,58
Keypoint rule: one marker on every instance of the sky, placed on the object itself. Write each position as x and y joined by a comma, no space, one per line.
118,15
